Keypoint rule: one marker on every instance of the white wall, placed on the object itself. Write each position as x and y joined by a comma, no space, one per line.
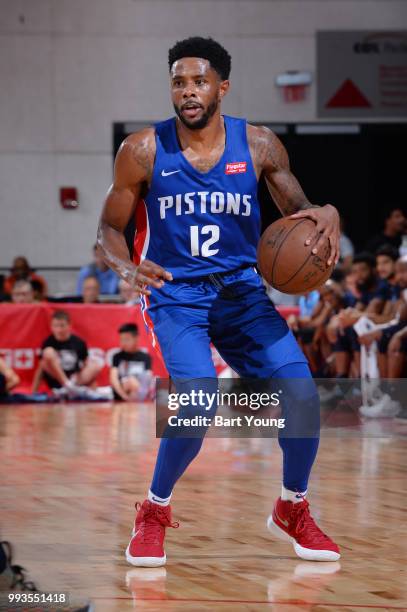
69,68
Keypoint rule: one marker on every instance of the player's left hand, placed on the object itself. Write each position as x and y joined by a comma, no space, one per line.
327,223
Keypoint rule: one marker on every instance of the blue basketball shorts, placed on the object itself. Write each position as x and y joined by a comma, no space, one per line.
231,311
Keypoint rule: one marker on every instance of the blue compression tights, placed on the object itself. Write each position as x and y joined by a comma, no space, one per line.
298,441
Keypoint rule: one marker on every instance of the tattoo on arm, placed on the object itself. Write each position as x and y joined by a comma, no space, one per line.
287,193
271,159
144,155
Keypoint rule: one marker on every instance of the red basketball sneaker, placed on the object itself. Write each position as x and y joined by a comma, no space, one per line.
294,522
146,548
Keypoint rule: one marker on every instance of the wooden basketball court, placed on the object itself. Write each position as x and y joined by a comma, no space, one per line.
71,474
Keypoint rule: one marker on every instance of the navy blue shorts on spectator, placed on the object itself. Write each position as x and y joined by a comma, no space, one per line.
347,342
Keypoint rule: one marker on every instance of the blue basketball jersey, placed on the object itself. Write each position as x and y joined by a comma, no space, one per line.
195,223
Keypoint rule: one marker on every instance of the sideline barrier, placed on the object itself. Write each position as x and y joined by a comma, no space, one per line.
23,327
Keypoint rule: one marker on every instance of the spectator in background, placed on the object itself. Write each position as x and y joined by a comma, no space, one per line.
395,316
351,291
8,379
108,280
22,293
396,352
310,326
128,295
347,250
366,283
307,303
386,258
21,270
90,290
368,297
394,228
65,362
130,375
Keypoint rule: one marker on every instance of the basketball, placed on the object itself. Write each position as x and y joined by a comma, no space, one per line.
287,263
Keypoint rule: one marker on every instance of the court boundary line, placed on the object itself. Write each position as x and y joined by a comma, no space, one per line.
285,602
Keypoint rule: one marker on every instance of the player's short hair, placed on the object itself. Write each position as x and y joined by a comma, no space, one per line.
387,250
366,258
129,328
206,48
61,315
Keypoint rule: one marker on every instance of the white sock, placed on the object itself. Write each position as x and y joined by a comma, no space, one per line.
292,496
158,500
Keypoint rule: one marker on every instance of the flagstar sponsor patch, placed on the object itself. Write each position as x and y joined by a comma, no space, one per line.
236,167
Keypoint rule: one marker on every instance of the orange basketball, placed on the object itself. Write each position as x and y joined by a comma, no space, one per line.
287,263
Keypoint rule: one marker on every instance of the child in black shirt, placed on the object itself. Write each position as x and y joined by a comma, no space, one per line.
64,357
130,375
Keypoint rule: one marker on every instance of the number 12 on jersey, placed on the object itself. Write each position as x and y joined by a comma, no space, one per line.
204,249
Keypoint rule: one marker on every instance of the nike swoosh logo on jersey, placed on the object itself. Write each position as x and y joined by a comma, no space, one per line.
164,173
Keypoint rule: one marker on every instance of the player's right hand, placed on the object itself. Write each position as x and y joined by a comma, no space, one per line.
150,274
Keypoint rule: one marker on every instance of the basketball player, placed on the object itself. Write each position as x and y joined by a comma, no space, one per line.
192,183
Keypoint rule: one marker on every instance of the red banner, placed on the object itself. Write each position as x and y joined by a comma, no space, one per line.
23,328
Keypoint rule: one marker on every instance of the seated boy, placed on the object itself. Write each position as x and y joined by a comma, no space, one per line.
64,357
130,375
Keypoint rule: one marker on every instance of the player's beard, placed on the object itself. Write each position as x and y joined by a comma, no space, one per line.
203,121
